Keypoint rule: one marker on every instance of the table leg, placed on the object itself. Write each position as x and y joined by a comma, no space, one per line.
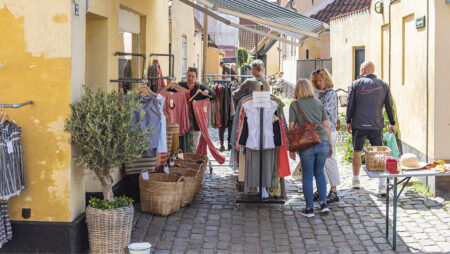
394,216
387,208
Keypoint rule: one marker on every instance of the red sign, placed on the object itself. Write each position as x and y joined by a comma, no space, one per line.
230,51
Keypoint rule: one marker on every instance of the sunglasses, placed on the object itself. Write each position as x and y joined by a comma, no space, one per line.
318,71
192,69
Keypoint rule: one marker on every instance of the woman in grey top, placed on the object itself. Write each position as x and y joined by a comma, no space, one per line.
322,82
313,158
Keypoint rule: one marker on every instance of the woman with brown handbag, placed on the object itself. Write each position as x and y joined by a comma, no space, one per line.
307,112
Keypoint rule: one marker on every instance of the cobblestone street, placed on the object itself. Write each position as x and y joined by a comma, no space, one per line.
356,224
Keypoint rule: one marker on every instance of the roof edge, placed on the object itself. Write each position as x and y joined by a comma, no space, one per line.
367,8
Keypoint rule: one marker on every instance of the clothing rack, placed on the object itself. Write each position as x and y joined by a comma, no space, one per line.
260,199
132,80
171,64
17,105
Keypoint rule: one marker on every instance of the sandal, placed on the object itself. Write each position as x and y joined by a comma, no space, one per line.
332,197
316,196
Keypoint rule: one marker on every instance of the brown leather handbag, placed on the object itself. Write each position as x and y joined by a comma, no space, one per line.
304,137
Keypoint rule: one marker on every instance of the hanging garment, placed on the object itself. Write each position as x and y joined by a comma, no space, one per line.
253,116
5,223
126,73
201,109
161,83
145,163
283,160
162,143
154,71
217,105
176,105
211,115
12,177
151,118
252,158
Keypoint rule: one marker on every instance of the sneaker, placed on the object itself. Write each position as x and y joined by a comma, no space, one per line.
382,190
316,196
332,197
355,183
324,208
307,212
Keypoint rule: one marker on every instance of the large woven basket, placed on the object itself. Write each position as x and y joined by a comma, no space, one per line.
109,230
169,141
161,194
376,157
191,183
192,157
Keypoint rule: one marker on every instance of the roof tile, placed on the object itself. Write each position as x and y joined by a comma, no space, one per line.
340,8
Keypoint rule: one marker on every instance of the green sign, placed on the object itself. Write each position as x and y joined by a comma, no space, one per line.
420,22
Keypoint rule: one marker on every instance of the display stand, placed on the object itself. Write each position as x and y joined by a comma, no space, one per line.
260,199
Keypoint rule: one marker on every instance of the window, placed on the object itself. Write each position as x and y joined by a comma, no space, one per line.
358,59
184,56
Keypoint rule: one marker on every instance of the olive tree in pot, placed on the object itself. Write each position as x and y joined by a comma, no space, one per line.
101,124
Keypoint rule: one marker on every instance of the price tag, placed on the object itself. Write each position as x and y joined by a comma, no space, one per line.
261,99
10,147
205,110
166,170
145,176
180,156
171,103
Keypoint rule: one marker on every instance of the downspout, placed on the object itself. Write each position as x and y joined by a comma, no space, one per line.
427,82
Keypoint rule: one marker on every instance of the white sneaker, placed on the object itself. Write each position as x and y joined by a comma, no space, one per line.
355,183
382,190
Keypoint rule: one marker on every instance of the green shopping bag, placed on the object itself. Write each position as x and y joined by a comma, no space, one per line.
391,143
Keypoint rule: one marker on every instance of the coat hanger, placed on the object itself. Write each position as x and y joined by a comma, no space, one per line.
198,92
3,118
175,86
146,91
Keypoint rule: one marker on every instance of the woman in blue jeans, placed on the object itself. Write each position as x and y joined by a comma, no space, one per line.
313,158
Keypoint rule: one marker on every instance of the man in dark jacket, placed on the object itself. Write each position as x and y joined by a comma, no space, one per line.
193,86
365,120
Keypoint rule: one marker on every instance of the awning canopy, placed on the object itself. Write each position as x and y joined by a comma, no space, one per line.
271,15
267,14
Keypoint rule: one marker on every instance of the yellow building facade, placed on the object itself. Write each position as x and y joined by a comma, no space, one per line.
48,50
412,59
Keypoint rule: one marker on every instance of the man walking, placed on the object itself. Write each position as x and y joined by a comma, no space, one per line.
251,84
365,120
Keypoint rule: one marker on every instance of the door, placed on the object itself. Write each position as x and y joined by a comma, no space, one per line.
359,54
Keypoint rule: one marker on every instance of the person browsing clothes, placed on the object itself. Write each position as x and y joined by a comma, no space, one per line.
251,84
193,86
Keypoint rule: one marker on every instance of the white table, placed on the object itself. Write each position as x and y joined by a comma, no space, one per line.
406,177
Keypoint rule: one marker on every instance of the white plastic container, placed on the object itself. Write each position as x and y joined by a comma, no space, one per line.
140,248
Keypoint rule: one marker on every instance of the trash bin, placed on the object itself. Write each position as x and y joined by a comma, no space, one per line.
140,248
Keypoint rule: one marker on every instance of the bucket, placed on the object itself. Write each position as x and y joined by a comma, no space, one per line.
140,248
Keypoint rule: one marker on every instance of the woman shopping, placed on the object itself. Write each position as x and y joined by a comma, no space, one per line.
313,158
322,82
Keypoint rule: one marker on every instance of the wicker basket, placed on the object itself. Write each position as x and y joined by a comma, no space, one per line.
169,141
109,230
191,183
193,166
192,157
376,157
161,194
173,129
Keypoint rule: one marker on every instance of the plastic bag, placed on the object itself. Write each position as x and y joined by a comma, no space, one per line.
391,143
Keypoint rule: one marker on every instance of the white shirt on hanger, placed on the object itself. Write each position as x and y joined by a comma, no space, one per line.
253,114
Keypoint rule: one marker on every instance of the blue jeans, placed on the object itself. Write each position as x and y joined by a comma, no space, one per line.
313,162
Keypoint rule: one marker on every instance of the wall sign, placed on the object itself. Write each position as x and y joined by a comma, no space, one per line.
420,22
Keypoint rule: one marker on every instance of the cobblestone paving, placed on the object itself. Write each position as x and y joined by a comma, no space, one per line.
356,224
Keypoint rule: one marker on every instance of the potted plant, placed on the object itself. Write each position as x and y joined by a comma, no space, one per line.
101,124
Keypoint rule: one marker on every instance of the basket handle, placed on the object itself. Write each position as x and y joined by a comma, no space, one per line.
179,179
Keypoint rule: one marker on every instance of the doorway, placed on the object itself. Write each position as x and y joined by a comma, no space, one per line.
359,58
96,51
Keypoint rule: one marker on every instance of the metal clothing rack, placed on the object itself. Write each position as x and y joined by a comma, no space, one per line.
132,80
171,65
17,105
260,199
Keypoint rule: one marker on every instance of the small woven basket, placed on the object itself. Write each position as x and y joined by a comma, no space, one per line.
193,166
191,180
109,230
376,157
161,194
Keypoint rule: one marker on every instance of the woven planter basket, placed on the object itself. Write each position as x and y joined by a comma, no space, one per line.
169,141
191,183
161,194
109,230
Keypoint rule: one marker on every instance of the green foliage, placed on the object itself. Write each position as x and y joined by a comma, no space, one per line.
101,125
242,56
118,202
422,189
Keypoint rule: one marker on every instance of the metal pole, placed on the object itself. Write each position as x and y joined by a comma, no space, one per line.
387,208
205,46
394,216
256,44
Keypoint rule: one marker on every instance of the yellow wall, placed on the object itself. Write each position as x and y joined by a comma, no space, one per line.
273,60
43,58
183,24
318,48
214,57
410,97
35,54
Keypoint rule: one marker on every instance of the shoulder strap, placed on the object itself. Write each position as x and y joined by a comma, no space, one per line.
321,95
301,112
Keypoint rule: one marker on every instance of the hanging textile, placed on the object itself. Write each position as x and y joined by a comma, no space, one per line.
162,143
176,106
283,159
201,109
217,106
154,71
126,73
12,176
5,224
